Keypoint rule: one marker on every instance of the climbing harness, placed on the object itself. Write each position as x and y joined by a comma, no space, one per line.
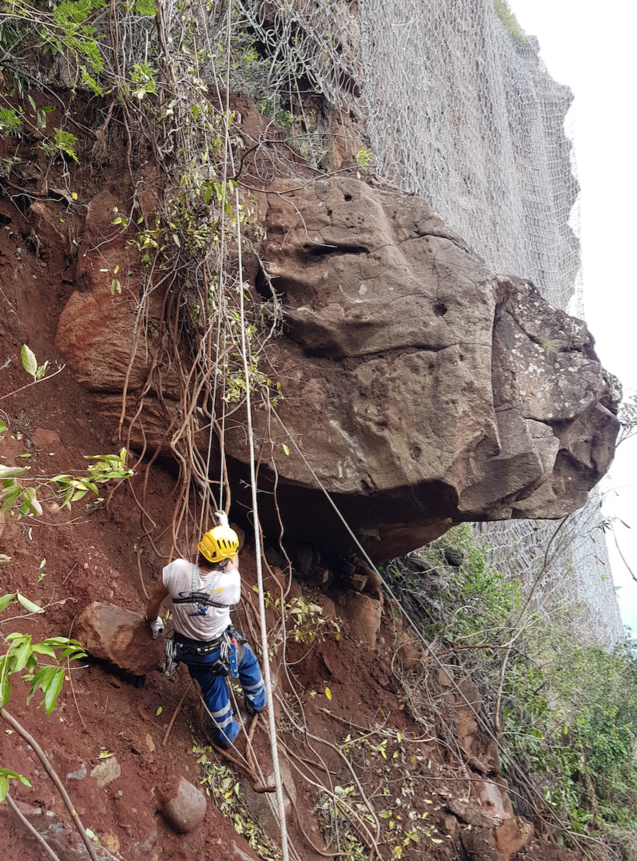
201,599
230,648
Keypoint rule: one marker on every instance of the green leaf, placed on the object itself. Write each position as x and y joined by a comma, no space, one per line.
12,471
29,362
29,606
9,496
30,500
4,787
21,655
42,649
52,690
5,684
5,600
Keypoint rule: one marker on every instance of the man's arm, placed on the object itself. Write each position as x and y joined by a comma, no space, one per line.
152,609
154,602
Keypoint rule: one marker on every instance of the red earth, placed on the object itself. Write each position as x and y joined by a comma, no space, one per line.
345,717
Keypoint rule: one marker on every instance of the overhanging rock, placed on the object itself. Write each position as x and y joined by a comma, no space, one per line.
421,388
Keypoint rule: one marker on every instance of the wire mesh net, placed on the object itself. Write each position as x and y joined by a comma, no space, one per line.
460,109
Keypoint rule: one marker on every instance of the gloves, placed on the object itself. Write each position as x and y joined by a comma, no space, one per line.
156,626
222,517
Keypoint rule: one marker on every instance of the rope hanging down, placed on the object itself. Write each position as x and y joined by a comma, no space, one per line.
257,543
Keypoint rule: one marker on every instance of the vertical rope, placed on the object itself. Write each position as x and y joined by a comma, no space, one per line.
257,543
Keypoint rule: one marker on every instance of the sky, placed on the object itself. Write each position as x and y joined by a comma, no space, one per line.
591,49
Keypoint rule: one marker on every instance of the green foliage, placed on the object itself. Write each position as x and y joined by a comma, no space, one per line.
62,144
569,713
364,158
510,22
5,775
22,657
17,495
308,624
10,121
30,363
106,467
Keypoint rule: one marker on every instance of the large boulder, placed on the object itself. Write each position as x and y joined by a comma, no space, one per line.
119,636
421,389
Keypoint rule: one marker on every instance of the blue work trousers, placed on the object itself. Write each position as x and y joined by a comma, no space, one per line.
215,689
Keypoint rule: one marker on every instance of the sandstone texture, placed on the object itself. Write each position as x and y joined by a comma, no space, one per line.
120,636
421,388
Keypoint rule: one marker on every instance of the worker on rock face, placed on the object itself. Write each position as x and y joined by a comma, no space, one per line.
202,595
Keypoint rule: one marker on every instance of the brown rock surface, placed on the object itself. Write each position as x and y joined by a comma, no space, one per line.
363,614
513,835
120,636
185,810
422,389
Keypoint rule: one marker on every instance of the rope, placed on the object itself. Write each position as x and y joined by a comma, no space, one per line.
257,543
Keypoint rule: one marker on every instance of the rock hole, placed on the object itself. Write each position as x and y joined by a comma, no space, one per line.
440,309
347,196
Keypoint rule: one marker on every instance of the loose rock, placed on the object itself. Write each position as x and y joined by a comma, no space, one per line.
185,810
120,636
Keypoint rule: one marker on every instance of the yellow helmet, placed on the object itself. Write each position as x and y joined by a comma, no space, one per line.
219,543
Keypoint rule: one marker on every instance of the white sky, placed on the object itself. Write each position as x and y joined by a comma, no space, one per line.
592,49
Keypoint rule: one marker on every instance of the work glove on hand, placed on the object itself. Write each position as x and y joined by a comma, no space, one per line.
222,517
156,626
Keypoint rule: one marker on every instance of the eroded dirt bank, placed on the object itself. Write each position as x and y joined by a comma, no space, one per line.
346,729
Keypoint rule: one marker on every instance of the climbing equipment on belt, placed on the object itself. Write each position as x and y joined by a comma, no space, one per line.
170,655
230,652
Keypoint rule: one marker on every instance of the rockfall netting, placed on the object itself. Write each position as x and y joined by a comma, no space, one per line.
460,109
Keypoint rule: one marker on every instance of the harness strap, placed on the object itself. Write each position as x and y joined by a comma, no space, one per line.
200,598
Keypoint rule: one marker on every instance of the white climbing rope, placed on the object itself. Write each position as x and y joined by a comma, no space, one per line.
257,542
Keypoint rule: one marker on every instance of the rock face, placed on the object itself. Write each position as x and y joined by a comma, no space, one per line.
120,636
422,389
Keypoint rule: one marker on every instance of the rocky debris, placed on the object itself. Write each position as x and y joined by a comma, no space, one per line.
120,636
63,839
363,615
480,750
471,814
186,808
513,835
107,771
479,845
79,773
425,389
410,656
44,438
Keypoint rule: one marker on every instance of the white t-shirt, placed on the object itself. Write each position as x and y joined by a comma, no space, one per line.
196,620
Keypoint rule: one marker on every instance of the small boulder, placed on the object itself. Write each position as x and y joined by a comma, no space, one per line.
120,636
44,438
513,835
187,807
363,615
107,771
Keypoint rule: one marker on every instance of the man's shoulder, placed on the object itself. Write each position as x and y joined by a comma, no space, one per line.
177,569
